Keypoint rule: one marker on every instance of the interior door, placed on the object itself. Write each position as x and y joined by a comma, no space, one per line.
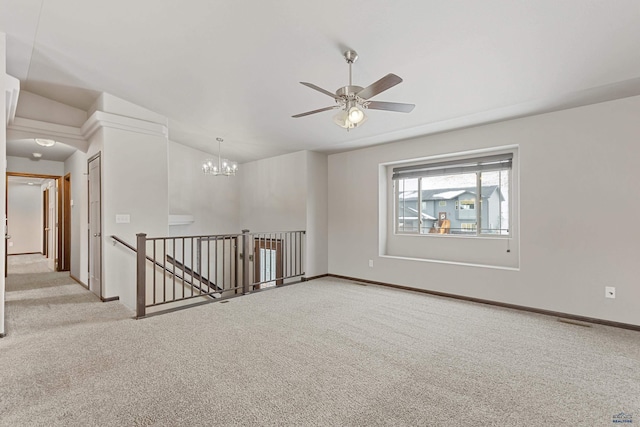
52,261
95,227
45,223
65,245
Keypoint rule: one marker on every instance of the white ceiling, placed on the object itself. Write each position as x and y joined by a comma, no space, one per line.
26,147
27,180
232,68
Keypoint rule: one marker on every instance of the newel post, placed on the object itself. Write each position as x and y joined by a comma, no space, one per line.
141,275
246,256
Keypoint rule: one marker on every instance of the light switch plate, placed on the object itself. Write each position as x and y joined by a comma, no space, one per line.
123,218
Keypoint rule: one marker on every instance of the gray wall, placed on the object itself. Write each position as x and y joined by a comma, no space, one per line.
3,153
212,201
288,193
557,261
24,218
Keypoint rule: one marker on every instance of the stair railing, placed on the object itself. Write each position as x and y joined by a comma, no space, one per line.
219,266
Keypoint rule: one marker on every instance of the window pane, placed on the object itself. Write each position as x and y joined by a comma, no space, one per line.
407,206
449,201
495,202
267,267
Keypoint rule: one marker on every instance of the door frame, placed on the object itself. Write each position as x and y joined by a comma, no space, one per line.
64,207
45,223
97,156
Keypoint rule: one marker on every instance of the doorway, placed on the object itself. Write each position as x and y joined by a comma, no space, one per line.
45,222
64,244
95,226
268,262
39,217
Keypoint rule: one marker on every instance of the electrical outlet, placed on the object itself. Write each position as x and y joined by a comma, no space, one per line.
370,263
609,292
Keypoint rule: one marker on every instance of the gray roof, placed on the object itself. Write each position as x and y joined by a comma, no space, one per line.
453,193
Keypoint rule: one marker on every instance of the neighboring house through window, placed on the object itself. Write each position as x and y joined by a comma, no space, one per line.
470,196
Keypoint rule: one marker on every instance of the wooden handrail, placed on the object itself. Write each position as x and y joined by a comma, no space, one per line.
165,268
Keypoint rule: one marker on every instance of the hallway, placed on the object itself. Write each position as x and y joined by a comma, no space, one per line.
40,300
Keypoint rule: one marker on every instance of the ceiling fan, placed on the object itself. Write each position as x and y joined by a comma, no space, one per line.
353,99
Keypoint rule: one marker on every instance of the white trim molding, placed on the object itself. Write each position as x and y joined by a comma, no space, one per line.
12,90
22,128
100,119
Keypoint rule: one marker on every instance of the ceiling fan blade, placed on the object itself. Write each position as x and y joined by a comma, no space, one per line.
319,89
316,111
390,106
388,81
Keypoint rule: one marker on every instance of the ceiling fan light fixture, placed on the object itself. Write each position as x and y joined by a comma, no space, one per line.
351,118
45,142
356,115
342,119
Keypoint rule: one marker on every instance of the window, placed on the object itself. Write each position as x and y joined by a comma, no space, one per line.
477,187
467,227
267,267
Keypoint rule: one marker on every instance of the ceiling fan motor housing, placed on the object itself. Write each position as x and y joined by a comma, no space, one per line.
349,97
348,91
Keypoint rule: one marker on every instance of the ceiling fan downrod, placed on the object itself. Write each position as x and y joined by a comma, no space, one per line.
351,56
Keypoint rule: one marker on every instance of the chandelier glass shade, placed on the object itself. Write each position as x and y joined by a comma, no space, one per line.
224,167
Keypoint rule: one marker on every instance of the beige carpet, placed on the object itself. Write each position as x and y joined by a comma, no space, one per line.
325,352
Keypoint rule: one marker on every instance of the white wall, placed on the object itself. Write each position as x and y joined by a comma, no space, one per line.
3,154
213,201
274,193
317,214
35,107
24,218
289,193
76,165
573,164
134,170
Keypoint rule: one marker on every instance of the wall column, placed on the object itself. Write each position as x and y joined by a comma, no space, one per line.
133,145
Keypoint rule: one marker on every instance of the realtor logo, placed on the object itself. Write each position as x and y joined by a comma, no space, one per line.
623,418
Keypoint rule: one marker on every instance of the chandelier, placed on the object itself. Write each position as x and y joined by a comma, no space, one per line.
223,167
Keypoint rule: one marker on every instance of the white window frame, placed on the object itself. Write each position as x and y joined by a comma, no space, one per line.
459,165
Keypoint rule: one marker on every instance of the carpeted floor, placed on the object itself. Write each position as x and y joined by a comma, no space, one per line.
324,352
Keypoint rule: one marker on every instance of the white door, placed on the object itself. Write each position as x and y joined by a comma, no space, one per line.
52,226
95,228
